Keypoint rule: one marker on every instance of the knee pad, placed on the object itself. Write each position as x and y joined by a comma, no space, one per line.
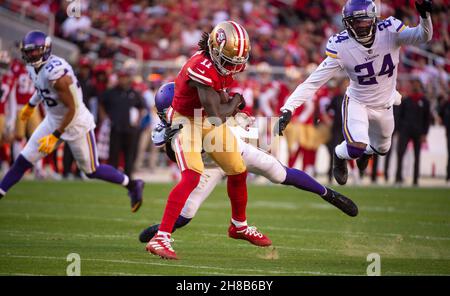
355,152
382,150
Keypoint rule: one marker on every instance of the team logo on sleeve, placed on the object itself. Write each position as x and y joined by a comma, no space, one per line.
221,37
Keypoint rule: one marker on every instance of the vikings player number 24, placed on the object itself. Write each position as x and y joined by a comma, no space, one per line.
387,68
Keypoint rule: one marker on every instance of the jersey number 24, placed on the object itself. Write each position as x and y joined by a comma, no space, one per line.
387,68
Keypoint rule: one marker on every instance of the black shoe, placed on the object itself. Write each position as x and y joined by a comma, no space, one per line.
135,192
340,170
363,161
148,233
341,202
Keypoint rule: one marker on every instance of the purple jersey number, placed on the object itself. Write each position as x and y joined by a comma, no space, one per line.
387,68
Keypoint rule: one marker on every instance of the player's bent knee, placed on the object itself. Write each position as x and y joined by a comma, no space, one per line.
355,152
383,149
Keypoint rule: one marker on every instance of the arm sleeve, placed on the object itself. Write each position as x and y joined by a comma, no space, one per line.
200,74
415,35
305,91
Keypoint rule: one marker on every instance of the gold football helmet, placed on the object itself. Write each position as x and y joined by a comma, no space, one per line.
229,47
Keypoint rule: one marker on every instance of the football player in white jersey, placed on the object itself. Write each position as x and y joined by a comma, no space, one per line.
256,160
67,119
368,51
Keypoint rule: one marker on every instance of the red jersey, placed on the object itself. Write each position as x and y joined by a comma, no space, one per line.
272,97
200,69
6,86
23,85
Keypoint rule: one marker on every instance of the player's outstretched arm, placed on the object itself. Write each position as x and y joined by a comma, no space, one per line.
421,33
306,90
211,102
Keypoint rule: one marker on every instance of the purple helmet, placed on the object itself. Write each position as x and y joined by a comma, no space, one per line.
360,20
36,48
164,97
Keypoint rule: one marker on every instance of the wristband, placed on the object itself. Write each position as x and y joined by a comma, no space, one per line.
57,134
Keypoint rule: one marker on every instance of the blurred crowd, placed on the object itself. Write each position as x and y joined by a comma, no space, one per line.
288,34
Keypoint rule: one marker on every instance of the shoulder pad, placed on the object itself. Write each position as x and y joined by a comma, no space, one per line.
200,70
56,68
392,25
331,48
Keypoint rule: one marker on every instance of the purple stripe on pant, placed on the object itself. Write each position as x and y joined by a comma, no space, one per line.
94,147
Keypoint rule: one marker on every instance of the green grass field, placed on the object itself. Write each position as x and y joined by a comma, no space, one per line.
42,222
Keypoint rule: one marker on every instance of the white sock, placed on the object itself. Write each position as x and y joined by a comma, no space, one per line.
341,151
166,234
239,224
126,180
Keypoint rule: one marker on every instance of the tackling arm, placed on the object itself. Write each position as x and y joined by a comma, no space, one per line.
210,101
305,91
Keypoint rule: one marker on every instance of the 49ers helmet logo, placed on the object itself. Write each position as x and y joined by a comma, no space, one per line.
221,36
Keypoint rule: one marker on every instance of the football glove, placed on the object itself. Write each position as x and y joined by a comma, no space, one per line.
48,143
282,122
158,135
26,112
423,7
172,131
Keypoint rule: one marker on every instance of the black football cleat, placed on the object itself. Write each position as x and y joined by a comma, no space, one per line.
135,192
341,202
363,161
340,170
148,233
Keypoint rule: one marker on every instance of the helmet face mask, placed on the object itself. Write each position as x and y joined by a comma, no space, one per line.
360,20
36,48
229,47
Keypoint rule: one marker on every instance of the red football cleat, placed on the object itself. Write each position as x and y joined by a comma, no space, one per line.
249,233
160,245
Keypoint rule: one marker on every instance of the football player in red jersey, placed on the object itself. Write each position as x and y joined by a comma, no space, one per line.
5,127
5,89
22,89
201,105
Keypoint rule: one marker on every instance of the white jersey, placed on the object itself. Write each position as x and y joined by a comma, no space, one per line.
372,71
55,110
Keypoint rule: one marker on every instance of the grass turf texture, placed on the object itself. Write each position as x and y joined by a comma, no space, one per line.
42,222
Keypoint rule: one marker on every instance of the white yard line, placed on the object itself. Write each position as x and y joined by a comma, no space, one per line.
289,229
232,270
22,274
